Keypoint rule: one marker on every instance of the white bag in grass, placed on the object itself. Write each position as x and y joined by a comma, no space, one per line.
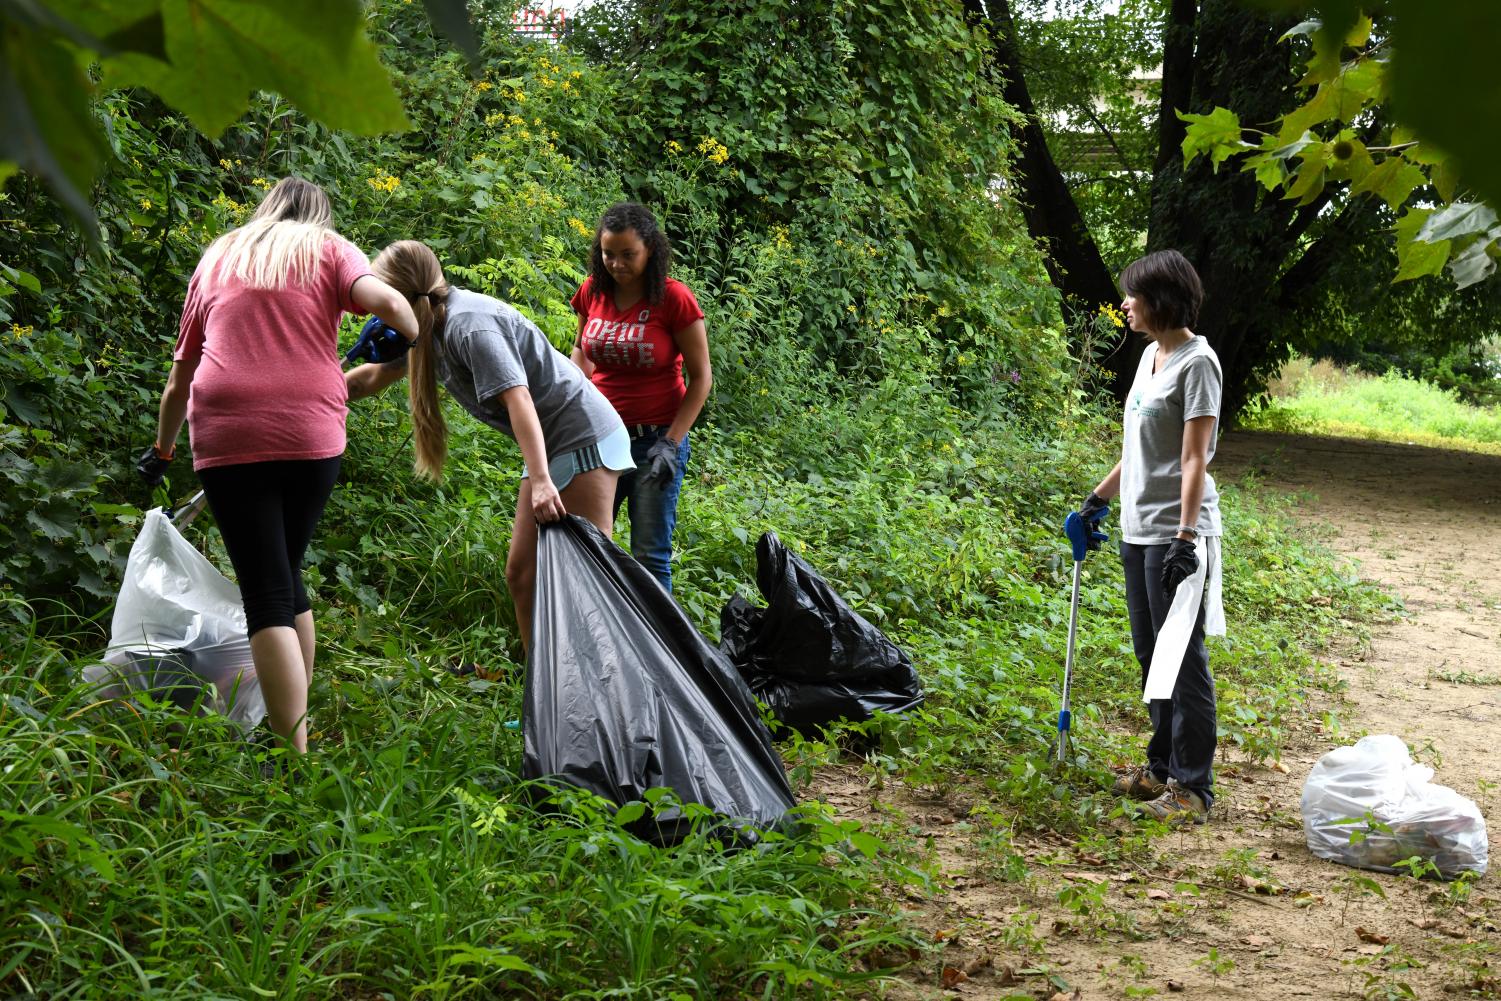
1377,776
178,625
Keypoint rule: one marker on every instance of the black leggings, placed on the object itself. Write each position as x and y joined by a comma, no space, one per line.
266,513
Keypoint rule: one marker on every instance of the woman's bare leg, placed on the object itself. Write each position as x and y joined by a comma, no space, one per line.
589,495
277,655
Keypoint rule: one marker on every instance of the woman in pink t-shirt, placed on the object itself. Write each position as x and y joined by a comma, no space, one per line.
640,332
256,375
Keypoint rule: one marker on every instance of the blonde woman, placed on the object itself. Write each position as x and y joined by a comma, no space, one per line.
257,376
505,373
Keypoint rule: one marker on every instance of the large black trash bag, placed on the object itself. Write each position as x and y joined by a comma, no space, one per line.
809,656
624,695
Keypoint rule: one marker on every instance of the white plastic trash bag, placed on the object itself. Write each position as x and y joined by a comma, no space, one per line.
1377,776
179,625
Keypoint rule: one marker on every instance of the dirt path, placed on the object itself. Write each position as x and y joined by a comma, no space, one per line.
1425,524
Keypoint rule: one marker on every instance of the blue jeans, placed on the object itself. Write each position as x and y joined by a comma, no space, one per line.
653,509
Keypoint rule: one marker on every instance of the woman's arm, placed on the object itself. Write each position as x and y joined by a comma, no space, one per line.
577,356
375,296
1197,432
371,378
1110,485
693,342
546,504
174,407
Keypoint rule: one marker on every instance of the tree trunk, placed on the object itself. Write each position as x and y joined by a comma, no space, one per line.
1239,237
1072,258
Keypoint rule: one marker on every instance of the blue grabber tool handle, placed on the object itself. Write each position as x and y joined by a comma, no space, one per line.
1080,533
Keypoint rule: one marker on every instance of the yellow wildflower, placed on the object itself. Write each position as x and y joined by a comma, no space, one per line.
17,331
384,182
484,85
715,150
226,164
145,204
579,226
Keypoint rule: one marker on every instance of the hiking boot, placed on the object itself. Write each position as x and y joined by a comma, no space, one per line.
1176,806
1139,783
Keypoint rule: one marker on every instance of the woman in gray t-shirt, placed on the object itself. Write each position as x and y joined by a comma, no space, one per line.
504,372
1170,522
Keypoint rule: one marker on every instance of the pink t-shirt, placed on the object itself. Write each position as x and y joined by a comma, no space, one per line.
268,384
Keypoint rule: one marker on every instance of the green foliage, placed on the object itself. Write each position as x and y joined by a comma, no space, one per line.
143,853
205,59
1392,407
1342,133
1086,71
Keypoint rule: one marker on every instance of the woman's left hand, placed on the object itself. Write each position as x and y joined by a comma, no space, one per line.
547,504
1179,563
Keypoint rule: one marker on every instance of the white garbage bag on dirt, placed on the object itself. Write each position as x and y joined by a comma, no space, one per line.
179,625
1377,776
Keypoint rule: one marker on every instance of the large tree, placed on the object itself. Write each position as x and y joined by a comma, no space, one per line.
1272,266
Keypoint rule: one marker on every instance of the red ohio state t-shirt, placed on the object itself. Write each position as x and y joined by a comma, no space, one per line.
637,364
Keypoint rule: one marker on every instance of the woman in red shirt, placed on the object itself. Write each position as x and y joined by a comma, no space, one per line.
256,374
640,333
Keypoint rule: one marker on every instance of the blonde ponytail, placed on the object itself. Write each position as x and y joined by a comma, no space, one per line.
412,269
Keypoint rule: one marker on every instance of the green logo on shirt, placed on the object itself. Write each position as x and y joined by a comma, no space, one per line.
1140,408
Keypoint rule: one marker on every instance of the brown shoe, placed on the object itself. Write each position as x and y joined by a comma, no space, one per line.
1139,783
1177,806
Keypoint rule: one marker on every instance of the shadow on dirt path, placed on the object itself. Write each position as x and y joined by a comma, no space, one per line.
1268,920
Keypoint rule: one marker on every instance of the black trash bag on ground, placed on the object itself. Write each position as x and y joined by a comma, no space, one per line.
624,695
809,656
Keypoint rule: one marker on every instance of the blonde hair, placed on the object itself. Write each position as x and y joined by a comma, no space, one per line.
281,244
412,269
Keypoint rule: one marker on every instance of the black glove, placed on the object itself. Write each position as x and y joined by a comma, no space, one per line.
379,343
152,465
1180,563
661,462
1093,511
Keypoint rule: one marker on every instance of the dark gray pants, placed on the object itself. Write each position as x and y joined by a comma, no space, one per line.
1183,727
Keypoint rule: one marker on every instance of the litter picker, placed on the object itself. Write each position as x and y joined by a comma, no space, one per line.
1080,534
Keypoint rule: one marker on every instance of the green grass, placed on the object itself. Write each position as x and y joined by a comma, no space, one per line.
1391,407
405,859
143,855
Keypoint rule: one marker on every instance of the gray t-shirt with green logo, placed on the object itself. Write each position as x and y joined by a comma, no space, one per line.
1187,386
488,347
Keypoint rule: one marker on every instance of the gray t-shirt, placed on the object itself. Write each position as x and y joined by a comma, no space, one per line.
1157,407
488,347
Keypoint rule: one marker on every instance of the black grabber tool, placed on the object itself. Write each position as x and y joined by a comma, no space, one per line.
1080,534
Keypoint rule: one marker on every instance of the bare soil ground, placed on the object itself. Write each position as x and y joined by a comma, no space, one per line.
1267,919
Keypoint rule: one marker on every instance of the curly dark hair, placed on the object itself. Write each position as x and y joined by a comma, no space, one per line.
619,218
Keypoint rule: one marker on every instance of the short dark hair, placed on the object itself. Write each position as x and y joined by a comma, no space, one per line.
1168,285
618,218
